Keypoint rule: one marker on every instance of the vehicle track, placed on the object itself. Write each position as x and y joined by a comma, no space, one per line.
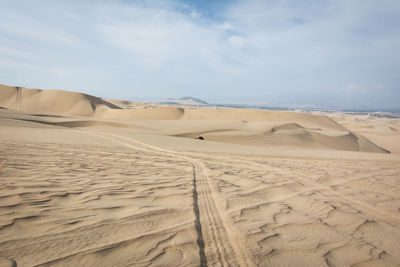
368,209
220,244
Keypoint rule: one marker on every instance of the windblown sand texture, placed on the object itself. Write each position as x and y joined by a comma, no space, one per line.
86,182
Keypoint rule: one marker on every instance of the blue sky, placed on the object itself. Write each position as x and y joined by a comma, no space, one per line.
325,53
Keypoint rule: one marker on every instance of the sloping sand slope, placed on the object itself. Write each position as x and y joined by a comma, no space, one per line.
383,131
288,135
151,113
50,101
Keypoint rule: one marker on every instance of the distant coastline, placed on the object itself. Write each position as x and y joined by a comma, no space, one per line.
378,113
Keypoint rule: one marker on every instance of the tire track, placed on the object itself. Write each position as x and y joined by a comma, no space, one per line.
219,242
216,251
200,239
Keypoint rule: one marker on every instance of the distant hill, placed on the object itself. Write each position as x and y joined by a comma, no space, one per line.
185,101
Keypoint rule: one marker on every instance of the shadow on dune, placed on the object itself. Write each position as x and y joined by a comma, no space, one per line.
85,123
290,135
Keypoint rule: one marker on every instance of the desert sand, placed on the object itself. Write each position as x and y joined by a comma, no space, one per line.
92,182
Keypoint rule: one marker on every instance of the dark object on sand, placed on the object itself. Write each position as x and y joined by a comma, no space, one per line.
1,166
200,138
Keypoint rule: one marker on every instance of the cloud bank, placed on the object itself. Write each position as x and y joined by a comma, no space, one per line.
326,53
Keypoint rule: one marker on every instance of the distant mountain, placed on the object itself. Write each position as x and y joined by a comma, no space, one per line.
185,101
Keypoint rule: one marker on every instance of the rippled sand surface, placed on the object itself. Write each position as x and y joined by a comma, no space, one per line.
99,194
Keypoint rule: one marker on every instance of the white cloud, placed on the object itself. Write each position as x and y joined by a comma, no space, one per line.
236,41
253,49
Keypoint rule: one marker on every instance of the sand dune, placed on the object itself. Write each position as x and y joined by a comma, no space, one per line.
304,130
289,135
78,104
133,187
382,131
63,102
281,128
51,101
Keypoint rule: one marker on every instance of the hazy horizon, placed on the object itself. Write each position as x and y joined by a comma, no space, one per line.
328,54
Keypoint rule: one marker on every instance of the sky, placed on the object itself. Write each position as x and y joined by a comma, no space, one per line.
337,54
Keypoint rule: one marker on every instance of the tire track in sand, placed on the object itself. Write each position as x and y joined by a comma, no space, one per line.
199,231
220,244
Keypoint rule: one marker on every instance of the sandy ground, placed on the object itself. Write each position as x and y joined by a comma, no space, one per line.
262,189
